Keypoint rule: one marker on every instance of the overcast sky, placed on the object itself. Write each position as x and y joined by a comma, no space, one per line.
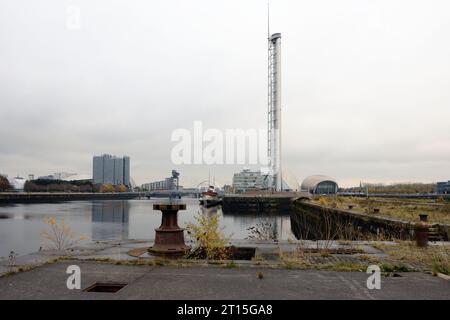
365,84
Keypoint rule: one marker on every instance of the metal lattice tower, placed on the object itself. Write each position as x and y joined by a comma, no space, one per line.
274,111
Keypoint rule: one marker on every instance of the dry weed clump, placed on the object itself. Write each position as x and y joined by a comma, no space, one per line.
60,237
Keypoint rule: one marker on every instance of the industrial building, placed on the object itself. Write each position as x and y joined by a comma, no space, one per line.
56,176
170,183
64,176
319,184
247,180
443,187
108,169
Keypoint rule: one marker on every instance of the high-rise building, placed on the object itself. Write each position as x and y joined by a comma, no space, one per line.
108,169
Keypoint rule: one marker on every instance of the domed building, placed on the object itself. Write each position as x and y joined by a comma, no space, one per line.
320,184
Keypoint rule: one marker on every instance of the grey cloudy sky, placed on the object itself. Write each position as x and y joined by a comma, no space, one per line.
365,84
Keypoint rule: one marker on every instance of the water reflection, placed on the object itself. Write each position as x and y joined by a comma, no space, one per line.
110,219
211,211
21,225
278,226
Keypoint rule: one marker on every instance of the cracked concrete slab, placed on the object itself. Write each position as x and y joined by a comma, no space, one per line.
144,282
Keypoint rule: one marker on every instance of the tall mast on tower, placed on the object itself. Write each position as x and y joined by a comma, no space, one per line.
274,107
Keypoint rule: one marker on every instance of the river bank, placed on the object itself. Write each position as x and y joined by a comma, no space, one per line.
49,197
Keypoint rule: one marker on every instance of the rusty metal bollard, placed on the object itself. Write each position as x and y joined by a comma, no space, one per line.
169,237
421,229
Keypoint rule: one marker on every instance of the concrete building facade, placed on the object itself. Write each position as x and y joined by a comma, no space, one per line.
247,180
108,169
170,183
443,187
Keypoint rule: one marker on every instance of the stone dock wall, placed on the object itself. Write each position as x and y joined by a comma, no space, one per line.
306,214
312,221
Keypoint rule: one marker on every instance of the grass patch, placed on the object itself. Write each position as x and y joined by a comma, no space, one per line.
293,260
344,266
443,268
231,265
391,268
18,270
434,257
402,209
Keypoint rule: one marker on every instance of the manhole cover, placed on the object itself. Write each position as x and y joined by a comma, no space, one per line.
105,287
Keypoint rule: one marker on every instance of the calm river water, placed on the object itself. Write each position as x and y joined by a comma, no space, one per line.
21,225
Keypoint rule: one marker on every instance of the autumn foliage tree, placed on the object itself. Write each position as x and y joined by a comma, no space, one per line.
107,187
47,185
5,185
121,188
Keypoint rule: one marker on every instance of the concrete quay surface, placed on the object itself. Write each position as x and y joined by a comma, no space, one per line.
42,275
167,282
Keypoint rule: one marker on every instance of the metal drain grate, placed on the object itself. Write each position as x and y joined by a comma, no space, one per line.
242,253
108,287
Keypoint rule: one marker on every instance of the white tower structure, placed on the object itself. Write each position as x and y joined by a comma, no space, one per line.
274,111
